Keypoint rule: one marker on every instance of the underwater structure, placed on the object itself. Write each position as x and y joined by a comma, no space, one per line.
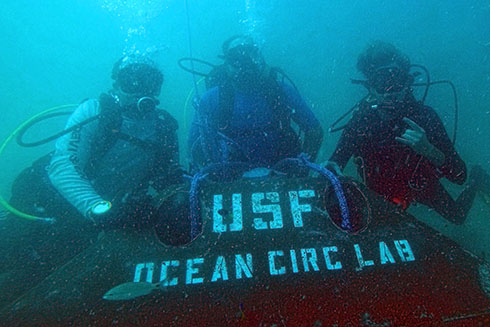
269,252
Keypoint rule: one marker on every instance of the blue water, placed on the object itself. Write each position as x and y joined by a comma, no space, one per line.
61,51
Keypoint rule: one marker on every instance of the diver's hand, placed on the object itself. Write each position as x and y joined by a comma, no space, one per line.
335,168
416,138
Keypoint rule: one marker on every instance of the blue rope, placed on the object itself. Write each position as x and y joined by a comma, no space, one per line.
194,204
209,140
220,171
302,160
215,146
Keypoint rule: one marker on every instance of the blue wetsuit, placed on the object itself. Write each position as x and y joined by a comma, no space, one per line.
254,134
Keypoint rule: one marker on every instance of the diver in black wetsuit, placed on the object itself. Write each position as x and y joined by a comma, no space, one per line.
400,145
107,173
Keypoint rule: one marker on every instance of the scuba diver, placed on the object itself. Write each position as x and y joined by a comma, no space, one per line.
108,163
107,171
247,115
400,146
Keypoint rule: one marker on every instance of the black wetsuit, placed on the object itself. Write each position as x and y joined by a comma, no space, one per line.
117,158
395,170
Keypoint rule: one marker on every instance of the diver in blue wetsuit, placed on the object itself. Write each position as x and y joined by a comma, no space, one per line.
248,116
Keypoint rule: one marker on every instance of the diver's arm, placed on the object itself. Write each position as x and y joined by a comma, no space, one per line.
435,155
306,120
416,138
71,156
345,147
168,169
313,141
452,167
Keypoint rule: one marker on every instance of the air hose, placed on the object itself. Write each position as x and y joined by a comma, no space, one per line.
428,83
20,130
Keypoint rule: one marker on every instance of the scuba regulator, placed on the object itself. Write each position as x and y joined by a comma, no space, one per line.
137,83
392,84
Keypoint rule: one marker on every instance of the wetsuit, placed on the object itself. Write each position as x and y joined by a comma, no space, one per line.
143,148
66,184
256,132
395,170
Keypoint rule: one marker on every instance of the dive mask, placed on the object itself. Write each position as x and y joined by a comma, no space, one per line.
388,80
245,57
140,79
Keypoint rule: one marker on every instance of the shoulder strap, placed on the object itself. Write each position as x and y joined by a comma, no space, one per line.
167,142
166,122
226,102
276,99
216,77
107,133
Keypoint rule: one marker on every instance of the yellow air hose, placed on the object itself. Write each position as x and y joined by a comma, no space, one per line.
3,202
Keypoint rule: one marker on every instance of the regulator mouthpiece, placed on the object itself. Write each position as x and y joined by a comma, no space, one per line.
146,104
